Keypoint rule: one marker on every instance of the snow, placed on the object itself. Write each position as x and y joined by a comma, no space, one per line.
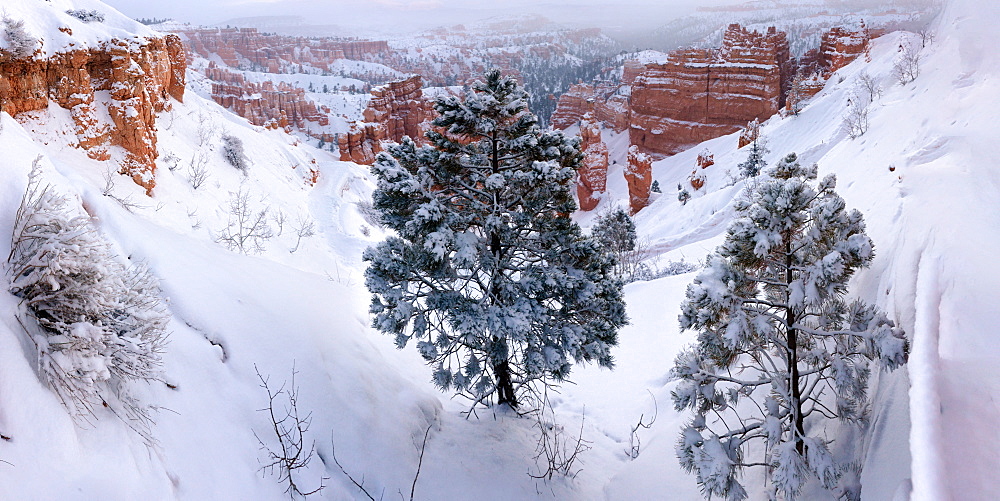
934,220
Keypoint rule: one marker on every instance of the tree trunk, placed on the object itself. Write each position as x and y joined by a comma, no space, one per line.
505,387
793,358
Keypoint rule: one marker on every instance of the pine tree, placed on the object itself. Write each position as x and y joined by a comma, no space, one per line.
755,161
774,328
615,231
655,188
488,274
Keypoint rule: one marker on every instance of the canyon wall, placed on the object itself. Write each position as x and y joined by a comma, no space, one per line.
140,74
699,94
247,48
687,96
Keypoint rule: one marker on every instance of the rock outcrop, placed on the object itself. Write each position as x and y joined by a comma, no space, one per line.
361,143
639,176
401,108
592,177
698,94
265,103
840,46
396,109
604,101
140,75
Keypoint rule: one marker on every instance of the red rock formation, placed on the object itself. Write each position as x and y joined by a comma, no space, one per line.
592,178
401,108
573,105
639,176
603,101
263,103
396,109
140,75
840,46
697,179
361,143
273,52
706,159
699,94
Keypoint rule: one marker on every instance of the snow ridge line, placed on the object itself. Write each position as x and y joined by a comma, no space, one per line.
926,436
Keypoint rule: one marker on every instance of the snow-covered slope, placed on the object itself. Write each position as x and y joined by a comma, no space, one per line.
924,176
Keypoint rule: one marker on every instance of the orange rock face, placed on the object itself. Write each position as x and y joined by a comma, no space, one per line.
604,102
840,46
264,103
361,143
639,176
698,94
139,75
400,107
706,159
592,178
396,109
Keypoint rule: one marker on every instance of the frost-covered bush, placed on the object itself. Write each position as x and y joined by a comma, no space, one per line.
98,325
780,351
87,16
232,149
20,44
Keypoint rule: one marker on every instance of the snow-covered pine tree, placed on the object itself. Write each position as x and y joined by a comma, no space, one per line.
615,231
488,274
98,325
755,161
774,328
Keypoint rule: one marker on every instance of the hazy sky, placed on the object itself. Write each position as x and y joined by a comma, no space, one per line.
406,15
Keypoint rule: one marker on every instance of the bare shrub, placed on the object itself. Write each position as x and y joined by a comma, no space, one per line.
855,121
304,228
869,86
556,451
197,169
288,429
907,65
370,214
247,230
634,443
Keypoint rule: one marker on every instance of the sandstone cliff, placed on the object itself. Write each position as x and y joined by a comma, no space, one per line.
140,75
604,101
698,94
